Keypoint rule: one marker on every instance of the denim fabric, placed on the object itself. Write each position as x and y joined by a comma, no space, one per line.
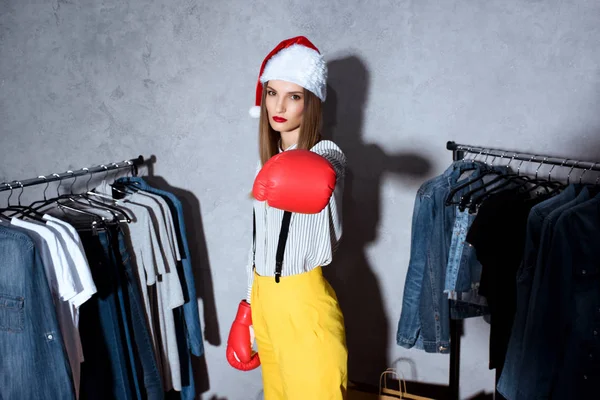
33,362
143,358
567,252
424,319
507,385
463,270
187,321
107,241
106,373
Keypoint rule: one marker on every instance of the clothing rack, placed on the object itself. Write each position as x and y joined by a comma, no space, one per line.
132,163
458,153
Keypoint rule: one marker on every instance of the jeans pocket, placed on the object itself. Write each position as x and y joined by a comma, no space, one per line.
12,314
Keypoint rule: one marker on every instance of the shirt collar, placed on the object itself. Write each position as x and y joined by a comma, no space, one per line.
289,148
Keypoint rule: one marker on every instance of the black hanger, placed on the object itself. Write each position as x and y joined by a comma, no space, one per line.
492,171
508,177
546,184
98,204
57,200
450,197
19,208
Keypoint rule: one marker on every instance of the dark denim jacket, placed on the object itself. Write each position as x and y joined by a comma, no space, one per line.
542,217
424,319
33,364
562,338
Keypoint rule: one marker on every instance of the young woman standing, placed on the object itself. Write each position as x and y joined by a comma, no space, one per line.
290,306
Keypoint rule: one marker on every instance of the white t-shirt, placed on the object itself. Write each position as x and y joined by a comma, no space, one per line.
74,247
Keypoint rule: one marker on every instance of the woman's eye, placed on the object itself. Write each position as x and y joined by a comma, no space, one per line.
271,93
295,97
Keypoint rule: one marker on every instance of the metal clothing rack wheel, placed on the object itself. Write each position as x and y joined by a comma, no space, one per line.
458,153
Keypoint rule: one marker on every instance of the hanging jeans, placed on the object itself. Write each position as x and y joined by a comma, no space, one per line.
33,362
139,341
119,360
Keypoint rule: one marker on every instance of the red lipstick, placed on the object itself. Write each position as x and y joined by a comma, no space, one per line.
279,119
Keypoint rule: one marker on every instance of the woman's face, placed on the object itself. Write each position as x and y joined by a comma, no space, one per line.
285,105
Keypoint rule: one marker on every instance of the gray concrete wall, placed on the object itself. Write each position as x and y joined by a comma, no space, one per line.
90,82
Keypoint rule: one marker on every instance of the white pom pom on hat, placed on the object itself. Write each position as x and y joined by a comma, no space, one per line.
294,60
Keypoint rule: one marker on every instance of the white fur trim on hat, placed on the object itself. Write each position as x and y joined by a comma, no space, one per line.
300,65
254,111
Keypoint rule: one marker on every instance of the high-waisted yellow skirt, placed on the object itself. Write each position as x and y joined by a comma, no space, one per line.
300,336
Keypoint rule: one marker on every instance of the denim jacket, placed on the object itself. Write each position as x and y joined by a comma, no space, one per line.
424,319
562,336
33,362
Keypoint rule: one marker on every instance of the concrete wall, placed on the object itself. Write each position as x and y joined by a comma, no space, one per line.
90,82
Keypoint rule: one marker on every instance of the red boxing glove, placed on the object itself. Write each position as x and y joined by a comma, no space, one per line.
296,180
239,345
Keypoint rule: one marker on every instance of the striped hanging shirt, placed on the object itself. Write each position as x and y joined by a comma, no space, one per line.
312,238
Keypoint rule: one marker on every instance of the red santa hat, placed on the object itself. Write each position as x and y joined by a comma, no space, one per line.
294,60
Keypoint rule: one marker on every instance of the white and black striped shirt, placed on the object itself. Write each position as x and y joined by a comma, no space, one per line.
312,238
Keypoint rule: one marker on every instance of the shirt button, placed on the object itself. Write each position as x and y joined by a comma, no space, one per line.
50,337
442,348
437,317
583,272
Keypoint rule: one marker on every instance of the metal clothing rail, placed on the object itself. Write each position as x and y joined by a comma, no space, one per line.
460,149
458,153
42,179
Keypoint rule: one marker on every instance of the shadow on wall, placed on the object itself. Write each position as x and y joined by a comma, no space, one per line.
202,274
351,275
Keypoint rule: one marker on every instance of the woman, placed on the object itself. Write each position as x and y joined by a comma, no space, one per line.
292,309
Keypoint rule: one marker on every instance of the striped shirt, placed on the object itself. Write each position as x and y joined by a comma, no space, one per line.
312,238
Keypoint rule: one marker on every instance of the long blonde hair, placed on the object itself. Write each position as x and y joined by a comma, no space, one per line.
310,128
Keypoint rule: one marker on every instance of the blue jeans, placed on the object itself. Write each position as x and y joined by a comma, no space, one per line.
106,372
563,325
141,353
188,326
33,361
424,320
542,218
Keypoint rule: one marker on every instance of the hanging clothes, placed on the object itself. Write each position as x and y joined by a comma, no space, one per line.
122,317
527,251
424,320
190,334
181,325
559,337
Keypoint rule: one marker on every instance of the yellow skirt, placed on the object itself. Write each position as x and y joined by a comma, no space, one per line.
300,336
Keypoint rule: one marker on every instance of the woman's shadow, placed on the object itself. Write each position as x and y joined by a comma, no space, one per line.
351,275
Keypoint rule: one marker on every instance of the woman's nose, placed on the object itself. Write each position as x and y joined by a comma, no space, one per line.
280,106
